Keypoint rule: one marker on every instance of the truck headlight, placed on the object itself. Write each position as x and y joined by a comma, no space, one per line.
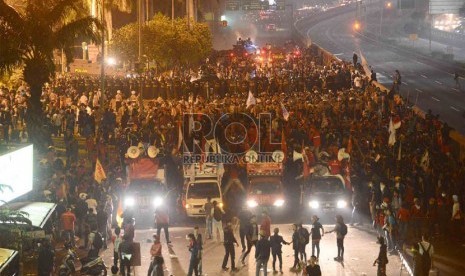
279,203
314,204
129,201
252,203
158,201
341,204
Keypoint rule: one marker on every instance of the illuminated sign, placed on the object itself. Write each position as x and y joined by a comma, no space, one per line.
16,172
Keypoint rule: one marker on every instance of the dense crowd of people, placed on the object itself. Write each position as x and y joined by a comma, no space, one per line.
403,172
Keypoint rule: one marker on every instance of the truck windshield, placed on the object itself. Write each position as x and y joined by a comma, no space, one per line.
327,185
265,188
203,190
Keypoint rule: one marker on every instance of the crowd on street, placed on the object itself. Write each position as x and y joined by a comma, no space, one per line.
403,173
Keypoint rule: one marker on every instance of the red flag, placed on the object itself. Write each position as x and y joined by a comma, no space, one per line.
99,173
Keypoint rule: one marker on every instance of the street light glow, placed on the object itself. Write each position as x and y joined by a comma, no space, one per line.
111,61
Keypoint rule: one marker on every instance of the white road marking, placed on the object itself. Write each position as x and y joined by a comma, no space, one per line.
424,76
438,82
436,99
419,90
454,108
404,83
455,89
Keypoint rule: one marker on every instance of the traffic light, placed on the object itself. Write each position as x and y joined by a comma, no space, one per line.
224,23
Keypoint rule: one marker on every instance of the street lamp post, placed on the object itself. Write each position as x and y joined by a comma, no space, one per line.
102,62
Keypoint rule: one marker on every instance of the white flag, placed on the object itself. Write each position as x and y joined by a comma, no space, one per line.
285,113
251,100
392,133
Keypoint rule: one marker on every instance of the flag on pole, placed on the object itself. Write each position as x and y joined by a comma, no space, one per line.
283,144
179,136
392,133
99,173
251,100
285,112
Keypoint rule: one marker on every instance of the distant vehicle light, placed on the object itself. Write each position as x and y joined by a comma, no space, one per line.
221,204
187,206
129,202
279,203
314,204
158,201
252,203
341,204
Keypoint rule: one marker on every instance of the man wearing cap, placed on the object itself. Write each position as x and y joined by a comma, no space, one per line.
262,253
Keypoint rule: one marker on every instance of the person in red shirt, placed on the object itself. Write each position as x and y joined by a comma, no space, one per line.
266,224
162,221
334,166
67,222
416,216
403,218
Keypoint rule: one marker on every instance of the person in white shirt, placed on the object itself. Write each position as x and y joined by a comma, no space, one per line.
92,204
456,217
426,246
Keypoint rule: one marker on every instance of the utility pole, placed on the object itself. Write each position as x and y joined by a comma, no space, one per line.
102,62
172,12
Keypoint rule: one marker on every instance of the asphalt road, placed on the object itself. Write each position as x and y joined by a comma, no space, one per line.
360,251
428,86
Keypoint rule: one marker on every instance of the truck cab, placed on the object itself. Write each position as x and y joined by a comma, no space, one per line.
146,189
201,182
325,194
265,188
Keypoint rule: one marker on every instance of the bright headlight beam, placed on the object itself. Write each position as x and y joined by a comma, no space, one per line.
279,203
252,203
158,201
314,204
129,201
341,204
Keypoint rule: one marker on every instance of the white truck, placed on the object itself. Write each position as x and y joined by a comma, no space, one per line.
200,182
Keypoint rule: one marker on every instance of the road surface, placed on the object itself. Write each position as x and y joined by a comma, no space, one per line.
360,251
428,86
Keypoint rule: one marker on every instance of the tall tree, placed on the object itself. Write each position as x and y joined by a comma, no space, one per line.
95,7
29,39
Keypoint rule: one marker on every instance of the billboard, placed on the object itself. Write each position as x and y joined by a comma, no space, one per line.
16,172
445,6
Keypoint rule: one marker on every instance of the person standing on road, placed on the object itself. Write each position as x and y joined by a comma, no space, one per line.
457,80
262,253
426,250
208,217
266,224
276,242
194,250
229,241
251,236
316,235
304,238
125,254
382,259
244,225
295,246
341,232
116,239
199,241
162,221
155,251
217,220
